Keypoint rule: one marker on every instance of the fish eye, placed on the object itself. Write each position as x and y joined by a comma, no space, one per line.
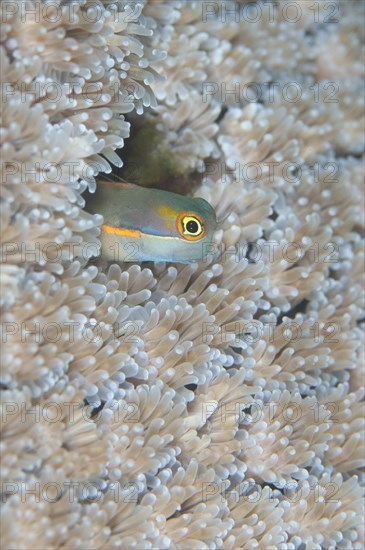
190,226
193,227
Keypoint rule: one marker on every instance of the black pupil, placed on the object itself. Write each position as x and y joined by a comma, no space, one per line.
192,227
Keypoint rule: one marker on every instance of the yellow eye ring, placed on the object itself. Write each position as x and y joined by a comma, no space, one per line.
190,226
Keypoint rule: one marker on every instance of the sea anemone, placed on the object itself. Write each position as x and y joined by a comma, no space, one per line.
218,404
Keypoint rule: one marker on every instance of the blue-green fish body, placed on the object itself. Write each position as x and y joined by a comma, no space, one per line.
143,224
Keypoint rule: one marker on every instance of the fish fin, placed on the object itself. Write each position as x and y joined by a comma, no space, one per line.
114,179
124,184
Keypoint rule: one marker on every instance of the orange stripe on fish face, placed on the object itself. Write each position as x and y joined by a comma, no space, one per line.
169,214
121,232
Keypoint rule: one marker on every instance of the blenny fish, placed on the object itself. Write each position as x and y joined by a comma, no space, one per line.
142,224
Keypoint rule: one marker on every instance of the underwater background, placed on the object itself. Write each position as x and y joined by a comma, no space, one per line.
217,404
